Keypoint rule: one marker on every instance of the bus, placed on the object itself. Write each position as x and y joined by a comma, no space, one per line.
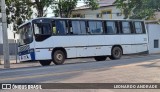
54,40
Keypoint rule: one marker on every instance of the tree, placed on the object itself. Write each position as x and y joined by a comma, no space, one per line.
65,7
41,6
17,12
138,9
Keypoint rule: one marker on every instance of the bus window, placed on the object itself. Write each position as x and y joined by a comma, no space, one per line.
126,27
83,27
76,27
79,27
99,27
95,27
42,29
26,34
111,28
54,28
70,27
138,27
61,27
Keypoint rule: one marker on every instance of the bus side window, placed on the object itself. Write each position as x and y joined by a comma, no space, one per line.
95,27
104,27
139,27
87,27
117,27
111,27
61,27
99,29
54,29
126,27
76,27
143,27
132,28
70,27
83,27
67,26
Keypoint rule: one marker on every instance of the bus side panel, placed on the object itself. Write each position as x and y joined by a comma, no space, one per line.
111,40
99,51
141,40
43,54
128,43
75,46
71,52
98,46
69,43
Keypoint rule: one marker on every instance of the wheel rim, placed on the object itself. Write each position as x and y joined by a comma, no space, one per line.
117,53
59,57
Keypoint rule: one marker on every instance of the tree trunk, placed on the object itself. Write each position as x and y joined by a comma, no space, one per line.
40,13
39,7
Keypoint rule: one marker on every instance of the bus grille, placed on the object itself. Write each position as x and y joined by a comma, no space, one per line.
23,48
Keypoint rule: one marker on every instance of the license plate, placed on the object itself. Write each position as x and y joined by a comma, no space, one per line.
25,57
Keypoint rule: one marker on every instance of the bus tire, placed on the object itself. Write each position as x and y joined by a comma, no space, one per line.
45,62
58,57
100,58
116,53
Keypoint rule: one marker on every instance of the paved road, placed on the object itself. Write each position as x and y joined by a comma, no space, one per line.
139,69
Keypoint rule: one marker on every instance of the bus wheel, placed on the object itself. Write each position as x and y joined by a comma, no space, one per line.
58,57
100,58
45,62
116,53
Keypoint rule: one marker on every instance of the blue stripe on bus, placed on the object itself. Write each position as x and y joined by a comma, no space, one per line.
26,52
33,55
30,51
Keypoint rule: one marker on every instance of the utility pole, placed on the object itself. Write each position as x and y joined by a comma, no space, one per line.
5,35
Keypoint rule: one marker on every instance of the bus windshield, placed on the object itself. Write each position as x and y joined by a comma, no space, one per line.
25,34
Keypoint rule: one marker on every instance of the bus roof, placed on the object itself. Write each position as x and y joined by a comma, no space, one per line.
56,18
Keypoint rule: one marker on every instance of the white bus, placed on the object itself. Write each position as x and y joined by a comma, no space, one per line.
56,39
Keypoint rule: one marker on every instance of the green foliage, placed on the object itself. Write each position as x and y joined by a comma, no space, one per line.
65,7
138,9
17,12
92,3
